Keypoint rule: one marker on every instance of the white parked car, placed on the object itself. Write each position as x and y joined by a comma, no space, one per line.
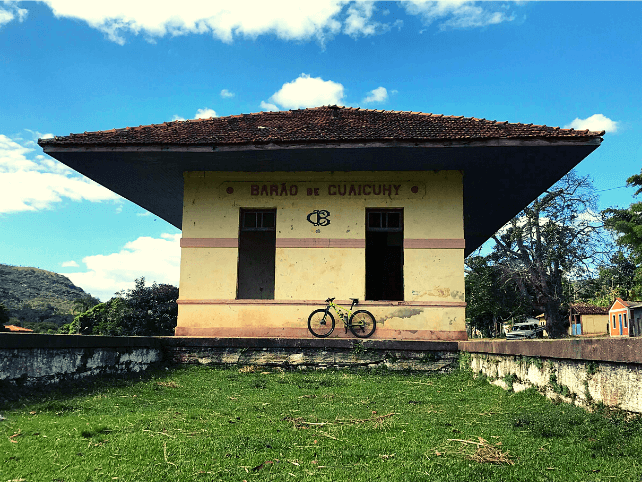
522,331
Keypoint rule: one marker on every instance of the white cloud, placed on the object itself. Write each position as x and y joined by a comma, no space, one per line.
226,94
31,182
69,264
10,12
177,118
306,91
145,214
458,13
597,122
288,20
157,259
267,106
359,20
205,113
380,94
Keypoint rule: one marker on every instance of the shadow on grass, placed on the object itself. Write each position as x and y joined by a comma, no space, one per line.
55,396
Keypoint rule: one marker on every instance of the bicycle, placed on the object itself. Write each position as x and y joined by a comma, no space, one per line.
361,322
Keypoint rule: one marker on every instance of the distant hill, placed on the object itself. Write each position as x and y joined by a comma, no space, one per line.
36,298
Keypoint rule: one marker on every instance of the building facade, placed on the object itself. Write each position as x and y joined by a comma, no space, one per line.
625,318
281,210
586,319
270,247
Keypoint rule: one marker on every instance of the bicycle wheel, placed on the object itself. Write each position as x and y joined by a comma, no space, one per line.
321,323
362,324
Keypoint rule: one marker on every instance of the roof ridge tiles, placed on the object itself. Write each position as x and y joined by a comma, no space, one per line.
310,124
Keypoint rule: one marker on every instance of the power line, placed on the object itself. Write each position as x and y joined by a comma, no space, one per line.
610,189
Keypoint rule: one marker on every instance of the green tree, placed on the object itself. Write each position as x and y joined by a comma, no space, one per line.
5,316
152,309
85,303
102,319
492,298
558,236
143,311
627,226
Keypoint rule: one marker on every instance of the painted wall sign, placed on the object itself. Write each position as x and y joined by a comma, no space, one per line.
313,189
319,217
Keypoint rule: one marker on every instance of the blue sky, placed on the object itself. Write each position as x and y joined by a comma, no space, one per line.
75,66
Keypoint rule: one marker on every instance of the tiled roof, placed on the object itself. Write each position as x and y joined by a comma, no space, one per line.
317,125
630,304
586,309
17,328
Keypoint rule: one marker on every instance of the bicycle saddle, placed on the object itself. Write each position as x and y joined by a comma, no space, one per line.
329,300
355,300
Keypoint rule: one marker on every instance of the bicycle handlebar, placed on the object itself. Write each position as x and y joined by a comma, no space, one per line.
354,300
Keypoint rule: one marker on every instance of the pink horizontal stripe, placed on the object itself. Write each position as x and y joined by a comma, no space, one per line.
319,243
323,243
380,333
442,304
434,243
209,243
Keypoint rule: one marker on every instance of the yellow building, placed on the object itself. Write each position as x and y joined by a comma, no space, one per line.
587,319
280,210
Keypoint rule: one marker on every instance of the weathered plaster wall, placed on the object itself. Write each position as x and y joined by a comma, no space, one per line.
245,319
307,270
315,354
613,384
36,360
305,273
581,371
40,360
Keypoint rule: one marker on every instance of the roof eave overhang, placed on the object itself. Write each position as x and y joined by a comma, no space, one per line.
381,143
501,176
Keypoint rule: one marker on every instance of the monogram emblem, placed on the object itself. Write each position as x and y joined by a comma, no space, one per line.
319,217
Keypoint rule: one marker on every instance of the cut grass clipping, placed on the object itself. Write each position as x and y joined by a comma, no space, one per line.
256,423
480,451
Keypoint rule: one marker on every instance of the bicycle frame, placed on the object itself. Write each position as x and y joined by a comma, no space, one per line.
345,314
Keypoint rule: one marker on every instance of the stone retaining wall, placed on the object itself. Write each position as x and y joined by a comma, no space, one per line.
583,371
580,371
313,353
29,360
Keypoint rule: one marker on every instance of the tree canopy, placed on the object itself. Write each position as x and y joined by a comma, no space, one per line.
492,297
557,237
144,311
627,226
5,316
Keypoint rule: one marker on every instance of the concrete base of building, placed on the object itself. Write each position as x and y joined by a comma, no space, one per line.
303,333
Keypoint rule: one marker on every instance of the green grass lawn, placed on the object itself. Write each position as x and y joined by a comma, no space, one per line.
200,423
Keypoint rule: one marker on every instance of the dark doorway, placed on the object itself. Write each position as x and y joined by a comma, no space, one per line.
384,254
257,252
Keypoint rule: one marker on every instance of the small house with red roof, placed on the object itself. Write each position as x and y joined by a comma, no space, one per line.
587,319
281,210
625,318
16,329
